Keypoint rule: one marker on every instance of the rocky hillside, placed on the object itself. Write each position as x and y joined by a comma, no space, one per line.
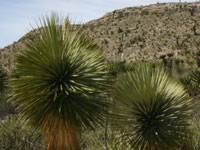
138,33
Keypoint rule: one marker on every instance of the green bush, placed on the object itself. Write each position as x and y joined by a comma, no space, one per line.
115,67
120,30
5,107
195,131
96,140
14,135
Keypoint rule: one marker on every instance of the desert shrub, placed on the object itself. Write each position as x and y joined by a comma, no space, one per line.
198,53
194,134
195,131
14,135
120,30
120,15
95,140
5,107
128,31
144,12
170,54
154,64
115,67
162,56
177,61
132,41
92,140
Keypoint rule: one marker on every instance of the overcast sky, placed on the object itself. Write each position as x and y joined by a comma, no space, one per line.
17,15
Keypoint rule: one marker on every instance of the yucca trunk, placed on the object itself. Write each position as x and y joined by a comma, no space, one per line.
60,136
148,146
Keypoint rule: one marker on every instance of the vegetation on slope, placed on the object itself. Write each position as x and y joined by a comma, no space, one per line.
138,33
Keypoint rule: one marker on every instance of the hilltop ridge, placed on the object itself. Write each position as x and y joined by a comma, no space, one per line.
138,33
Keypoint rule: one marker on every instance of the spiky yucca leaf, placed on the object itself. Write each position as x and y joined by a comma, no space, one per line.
191,82
3,79
189,85
152,110
59,83
195,77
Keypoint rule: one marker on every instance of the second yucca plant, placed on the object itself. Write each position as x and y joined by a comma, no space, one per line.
152,110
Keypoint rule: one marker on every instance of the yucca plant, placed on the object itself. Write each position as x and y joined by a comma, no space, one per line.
191,82
5,107
3,79
195,77
59,83
152,110
189,85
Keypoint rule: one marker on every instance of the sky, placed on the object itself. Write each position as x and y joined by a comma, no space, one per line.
17,16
